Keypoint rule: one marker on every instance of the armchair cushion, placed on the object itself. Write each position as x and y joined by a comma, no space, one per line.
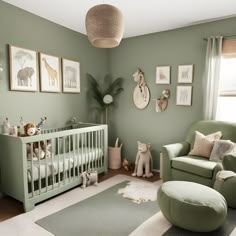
229,162
203,145
220,149
194,165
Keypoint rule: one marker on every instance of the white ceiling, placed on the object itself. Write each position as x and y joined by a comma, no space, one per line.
140,16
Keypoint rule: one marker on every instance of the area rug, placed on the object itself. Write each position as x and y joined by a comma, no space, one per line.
106,213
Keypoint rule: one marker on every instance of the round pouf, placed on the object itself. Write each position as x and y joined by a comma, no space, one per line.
225,184
192,206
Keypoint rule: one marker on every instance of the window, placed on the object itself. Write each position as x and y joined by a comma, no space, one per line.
226,107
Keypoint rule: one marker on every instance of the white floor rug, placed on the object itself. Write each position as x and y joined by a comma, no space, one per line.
139,191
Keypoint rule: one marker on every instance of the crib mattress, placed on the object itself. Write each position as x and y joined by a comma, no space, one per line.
62,162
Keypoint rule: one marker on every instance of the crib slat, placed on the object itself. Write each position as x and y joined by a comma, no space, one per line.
73,145
99,147
64,161
52,165
32,169
46,174
69,159
92,153
89,152
78,154
58,162
82,152
39,174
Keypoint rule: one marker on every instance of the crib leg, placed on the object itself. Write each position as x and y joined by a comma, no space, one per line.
28,206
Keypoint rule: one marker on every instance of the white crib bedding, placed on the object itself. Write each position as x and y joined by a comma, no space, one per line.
55,165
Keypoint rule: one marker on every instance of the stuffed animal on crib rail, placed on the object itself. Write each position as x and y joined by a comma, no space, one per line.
143,161
89,178
30,129
40,125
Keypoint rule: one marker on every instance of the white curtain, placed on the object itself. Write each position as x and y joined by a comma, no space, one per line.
212,76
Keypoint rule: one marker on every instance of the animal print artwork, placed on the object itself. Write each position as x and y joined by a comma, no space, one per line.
163,75
23,69
71,76
50,74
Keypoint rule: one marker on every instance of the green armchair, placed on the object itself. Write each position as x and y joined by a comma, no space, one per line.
179,165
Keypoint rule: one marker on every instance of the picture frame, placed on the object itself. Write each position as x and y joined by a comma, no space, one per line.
24,71
50,73
71,76
163,74
184,95
185,74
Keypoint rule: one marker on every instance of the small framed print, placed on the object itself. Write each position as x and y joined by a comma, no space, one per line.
185,74
163,75
50,73
184,95
23,69
71,76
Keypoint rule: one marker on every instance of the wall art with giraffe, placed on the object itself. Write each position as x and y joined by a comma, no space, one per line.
23,69
71,76
50,73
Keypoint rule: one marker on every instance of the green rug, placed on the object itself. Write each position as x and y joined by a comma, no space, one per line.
104,214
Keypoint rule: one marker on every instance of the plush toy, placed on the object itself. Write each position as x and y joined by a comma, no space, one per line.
143,161
40,125
89,178
127,165
40,149
30,129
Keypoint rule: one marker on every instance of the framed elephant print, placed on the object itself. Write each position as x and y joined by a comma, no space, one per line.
50,73
23,69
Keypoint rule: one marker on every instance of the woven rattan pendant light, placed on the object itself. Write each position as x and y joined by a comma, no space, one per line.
105,26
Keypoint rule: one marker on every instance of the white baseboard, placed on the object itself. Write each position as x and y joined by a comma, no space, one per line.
155,170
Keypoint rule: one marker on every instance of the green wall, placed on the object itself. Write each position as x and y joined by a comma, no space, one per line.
174,47
20,28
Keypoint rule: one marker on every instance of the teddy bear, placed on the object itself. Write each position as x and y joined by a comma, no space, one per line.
40,149
143,161
127,165
89,178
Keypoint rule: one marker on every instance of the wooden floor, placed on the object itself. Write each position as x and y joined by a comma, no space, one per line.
10,207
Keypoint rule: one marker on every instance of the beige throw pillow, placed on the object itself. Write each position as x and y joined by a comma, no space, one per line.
220,149
203,145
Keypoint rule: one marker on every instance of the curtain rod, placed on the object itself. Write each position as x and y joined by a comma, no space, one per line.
224,36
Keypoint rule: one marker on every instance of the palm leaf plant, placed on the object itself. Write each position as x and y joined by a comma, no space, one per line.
103,96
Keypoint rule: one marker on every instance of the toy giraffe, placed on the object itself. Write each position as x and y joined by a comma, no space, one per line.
52,74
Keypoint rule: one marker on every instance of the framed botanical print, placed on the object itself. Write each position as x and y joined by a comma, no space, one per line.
184,95
163,75
185,74
23,69
50,73
71,76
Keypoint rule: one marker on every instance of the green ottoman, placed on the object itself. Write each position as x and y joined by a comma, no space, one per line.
192,206
226,184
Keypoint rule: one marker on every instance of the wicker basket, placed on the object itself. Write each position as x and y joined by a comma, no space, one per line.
114,157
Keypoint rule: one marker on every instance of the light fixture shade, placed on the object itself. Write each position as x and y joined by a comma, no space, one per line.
105,26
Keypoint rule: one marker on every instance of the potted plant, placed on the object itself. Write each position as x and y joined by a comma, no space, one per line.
105,95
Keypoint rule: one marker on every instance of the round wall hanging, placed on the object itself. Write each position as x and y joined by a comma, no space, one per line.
141,95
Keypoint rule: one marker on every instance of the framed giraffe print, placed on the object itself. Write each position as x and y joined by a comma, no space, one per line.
71,76
185,74
23,69
50,73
